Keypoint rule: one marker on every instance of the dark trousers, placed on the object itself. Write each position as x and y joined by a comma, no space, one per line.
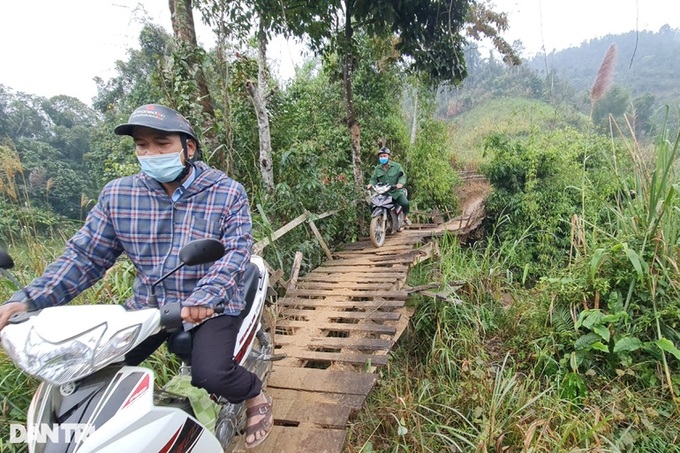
212,359
402,201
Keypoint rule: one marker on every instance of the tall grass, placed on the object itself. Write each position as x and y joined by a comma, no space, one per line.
649,216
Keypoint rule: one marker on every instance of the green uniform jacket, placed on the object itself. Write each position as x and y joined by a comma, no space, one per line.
389,176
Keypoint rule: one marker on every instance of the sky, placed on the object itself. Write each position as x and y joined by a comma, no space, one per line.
53,47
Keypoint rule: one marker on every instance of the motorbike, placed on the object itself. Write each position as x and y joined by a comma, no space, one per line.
77,352
387,217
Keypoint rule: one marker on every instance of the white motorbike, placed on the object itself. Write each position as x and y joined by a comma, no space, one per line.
90,401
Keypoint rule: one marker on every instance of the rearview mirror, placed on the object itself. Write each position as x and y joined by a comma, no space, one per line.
201,251
6,261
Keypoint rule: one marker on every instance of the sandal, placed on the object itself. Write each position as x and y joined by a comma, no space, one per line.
266,424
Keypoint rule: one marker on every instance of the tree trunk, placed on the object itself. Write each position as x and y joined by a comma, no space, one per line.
352,123
183,28
415,116
259,99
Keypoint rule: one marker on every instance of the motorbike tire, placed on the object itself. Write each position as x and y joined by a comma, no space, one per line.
378,231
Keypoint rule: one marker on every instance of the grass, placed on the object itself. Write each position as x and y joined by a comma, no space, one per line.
475,377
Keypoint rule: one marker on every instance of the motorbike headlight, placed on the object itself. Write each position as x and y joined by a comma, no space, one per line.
58,363
117,345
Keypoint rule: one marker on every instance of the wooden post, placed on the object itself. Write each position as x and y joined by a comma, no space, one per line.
297,262
437,217
319,238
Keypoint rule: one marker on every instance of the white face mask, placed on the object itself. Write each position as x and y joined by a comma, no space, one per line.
162,167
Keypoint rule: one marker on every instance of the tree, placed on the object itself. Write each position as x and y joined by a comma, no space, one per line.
184,30
235,18
260,98
615,103
426,35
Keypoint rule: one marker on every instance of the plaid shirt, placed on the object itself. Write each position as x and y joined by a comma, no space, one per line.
134,215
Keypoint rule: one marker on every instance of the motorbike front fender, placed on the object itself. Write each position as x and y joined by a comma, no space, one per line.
378,212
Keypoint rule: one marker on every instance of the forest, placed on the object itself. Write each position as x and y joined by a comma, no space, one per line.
568,336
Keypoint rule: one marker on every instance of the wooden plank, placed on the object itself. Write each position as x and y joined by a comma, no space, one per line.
366,344
392,256
259,246
375,315
371,328
392,242
363,277
287,439
372,344
348,292
319,410
353,359
368,262
368,304
324,381
351,269
354,402
348,285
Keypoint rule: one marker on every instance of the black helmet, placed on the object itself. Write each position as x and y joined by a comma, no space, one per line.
159,117
385,150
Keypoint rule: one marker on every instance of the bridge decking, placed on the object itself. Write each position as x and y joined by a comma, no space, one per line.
335,328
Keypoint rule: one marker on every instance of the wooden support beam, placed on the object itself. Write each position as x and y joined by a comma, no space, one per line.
297,262
319,238
257,248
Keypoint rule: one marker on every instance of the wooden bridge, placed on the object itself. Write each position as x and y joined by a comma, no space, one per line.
335,328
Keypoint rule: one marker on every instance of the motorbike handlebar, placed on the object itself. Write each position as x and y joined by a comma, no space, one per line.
391,187
171,316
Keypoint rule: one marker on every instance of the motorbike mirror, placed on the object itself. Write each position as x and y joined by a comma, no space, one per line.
6,261
201,251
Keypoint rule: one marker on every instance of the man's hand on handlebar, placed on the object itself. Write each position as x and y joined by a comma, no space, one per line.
369,186
7,310
399,186
195,315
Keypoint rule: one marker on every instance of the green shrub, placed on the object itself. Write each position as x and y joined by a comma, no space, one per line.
431,179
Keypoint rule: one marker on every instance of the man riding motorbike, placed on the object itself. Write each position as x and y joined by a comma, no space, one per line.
150,216
392,173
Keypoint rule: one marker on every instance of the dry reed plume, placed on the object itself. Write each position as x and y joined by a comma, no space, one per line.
605,75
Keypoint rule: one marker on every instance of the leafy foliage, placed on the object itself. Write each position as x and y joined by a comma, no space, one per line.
430,170
539,186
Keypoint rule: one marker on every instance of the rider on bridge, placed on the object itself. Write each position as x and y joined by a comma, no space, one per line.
392,173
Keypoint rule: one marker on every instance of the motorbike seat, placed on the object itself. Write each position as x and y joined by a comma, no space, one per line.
181,342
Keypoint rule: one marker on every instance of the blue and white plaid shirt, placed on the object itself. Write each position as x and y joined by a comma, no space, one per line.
134,215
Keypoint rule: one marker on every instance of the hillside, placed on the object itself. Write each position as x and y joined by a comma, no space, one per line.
647,63
509,116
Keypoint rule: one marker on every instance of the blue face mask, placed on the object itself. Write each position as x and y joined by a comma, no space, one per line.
383,160
162,167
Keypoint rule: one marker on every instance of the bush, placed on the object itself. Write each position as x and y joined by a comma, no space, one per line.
542,188
431,179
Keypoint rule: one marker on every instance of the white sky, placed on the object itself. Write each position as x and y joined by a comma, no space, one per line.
51,47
